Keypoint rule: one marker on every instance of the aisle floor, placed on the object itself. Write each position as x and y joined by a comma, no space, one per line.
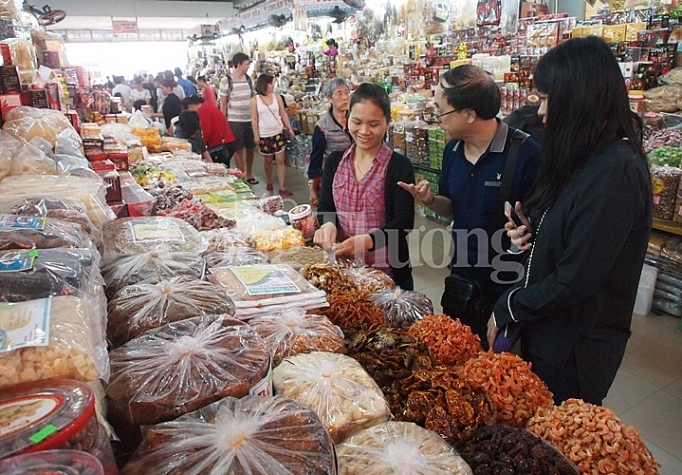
647,392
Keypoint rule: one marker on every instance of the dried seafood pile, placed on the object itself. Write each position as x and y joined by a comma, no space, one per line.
450,341
352,311
327,277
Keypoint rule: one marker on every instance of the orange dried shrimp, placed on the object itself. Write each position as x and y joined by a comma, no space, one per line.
352,311
450,341
514,389
594,439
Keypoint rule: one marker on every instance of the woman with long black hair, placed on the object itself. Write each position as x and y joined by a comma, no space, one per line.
589,225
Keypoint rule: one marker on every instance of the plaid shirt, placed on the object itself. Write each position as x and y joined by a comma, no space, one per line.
360,206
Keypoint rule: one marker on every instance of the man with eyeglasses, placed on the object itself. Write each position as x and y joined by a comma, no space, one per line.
467,101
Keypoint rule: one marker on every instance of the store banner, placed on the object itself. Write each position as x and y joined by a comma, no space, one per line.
124,27
261,14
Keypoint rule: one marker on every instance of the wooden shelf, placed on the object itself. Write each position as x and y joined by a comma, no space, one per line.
667,226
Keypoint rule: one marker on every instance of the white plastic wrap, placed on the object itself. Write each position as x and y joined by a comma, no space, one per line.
46,206
336,387
402,307
15,234
251,435
236,256
30,160
398,448
224,239
27,122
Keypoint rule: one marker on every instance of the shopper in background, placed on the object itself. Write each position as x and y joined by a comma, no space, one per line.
150,85
188,127
330,134
468,100
361,204
215,129
187,86
139,93
171,104
124,90
177,88
526,118
207,91
588,227
235,102
269,119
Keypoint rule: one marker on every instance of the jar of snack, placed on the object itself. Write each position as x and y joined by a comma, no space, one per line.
53,414
303,219
71,462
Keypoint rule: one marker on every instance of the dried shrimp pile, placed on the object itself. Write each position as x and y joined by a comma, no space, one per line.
327,277
594,439
502,449
450,341
352,311
438,400
515,390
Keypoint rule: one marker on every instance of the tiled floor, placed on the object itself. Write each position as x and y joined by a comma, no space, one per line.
647,392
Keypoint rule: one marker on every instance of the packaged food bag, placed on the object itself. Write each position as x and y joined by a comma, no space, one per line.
369,278
254,434
336,387
28,232
402,307
235,256
664,184
46,206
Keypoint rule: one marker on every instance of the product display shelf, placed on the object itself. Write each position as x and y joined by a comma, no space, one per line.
667,226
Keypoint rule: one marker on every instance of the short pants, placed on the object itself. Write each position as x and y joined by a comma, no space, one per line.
270,145
243,135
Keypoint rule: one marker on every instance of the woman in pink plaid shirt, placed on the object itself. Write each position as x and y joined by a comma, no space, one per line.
362,211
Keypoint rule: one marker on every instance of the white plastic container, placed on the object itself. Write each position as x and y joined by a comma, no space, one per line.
645,291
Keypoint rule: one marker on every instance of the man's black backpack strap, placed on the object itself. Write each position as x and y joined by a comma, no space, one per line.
517,139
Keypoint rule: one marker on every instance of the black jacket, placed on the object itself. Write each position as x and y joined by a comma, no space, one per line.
399,213
585,267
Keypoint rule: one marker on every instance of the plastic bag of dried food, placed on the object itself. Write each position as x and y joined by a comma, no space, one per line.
292,332
30,160
71,344
22,53
90,192
235,256
282,238
336,387
5,161
46,206
664,184
398,447
28,122
127,236
268,435
369,278
223,239
8,8
402,307
210,358
129,270
36,274
299,257
141,307
27,232
664,92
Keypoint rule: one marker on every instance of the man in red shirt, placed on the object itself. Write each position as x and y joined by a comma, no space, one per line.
215,129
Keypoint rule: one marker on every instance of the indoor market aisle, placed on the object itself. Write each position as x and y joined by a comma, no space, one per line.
647,393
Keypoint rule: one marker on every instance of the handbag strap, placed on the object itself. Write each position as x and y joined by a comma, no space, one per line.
532,249
268,107
517,139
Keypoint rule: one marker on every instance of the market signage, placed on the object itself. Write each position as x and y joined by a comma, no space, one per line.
124,27
260,14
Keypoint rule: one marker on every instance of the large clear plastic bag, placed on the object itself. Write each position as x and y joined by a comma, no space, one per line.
254,434
22,52
147,305
293,332
31,160
398,448
402,307
224,239
236,256
90,192
210,358
336,387
55,234
46,206
75,347
8,8
369,278
281,238
299,257
127,236
130,270
27,122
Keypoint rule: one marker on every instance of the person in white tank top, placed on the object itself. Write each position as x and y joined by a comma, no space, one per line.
268,119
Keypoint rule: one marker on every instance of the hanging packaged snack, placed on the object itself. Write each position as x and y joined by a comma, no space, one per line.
665,182
402,307
398,447
336,387
147,305
129,270
49,415
295,331
210,357
488,12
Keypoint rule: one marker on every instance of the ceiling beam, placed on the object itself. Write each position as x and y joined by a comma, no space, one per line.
144,8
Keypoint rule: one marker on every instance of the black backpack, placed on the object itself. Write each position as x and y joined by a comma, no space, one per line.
249,81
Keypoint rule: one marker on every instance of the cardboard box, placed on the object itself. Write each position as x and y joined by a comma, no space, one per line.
51,59
9,102
39,98
11,84
113,183
120,160
103,166
120,209
140,203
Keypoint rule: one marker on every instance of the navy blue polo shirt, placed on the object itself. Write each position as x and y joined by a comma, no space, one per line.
473,190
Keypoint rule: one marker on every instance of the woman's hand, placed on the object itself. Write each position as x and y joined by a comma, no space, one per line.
492,331
421,191
522,235
354,246
314,185
325,237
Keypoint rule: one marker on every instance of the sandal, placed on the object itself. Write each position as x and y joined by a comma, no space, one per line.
269,187
285,192
252,181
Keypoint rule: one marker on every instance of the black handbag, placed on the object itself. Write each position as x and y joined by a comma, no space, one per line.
462,298
222,153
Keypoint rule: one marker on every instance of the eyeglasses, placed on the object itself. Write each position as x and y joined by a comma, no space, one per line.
438,118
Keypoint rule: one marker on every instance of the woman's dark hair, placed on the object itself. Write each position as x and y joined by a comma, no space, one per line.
168,83
137,105
262,82
201,78
189,121
470,87
374,94
587,106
